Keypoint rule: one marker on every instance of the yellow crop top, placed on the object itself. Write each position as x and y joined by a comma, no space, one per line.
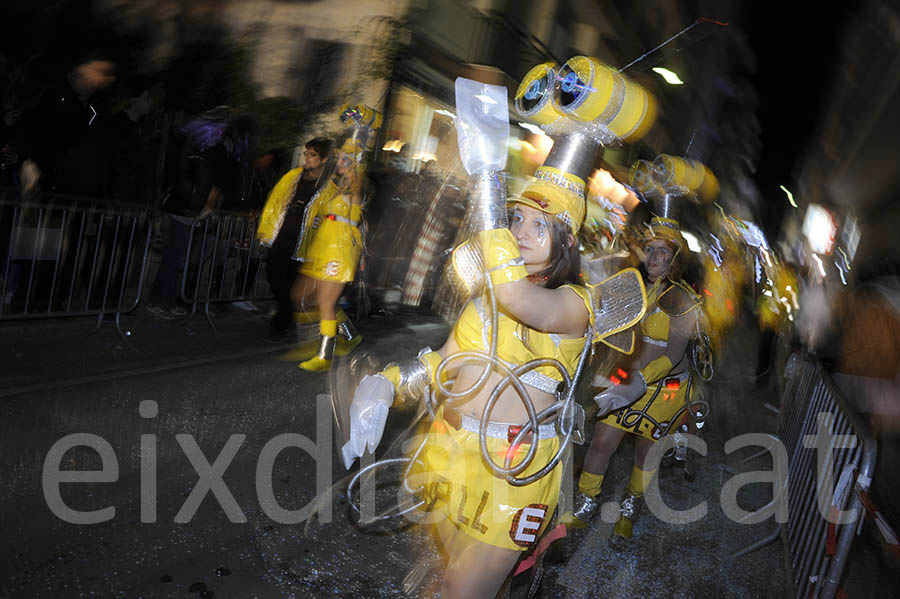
655,327
472,332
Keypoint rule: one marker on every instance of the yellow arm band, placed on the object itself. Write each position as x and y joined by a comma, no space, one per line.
392,373
656,369
500,253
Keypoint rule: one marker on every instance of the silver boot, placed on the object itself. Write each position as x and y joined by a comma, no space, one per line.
583,509
348,337
322,360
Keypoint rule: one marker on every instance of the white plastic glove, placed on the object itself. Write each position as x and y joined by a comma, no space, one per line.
368,414
621,395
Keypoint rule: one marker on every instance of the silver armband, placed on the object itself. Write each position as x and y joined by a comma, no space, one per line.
414,378
487,201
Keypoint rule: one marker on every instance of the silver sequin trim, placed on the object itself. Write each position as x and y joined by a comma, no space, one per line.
560,181
658,342
539,381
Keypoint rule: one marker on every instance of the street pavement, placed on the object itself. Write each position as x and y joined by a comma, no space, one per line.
222,400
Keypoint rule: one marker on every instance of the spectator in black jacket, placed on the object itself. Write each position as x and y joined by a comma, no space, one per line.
215,150
64,140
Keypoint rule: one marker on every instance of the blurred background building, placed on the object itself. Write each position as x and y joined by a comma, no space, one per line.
292,63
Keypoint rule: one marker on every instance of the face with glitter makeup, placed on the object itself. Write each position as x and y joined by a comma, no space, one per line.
531,228
658,258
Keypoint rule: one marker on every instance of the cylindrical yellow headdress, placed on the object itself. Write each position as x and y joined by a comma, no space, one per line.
582,106
592,92
686,177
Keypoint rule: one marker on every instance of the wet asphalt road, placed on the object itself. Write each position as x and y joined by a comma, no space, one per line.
242,404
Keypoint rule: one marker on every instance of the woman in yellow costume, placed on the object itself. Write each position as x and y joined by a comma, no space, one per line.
331,243
543,313
643,397
489,465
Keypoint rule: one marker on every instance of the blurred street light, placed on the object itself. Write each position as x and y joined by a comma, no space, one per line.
789,195
670,77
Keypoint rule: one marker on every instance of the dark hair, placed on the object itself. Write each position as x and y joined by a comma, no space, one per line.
565,260
565,265
214,127
321,145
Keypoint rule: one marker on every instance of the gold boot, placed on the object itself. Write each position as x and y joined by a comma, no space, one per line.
322,360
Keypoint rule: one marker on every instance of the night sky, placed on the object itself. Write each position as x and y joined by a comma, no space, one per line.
796,51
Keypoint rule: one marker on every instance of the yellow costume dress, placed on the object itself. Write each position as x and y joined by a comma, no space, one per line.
456,481
666,393
331,245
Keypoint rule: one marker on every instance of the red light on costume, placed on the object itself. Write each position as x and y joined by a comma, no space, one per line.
512,431
510,452
730,305
615,380
673,385
707,292
623,374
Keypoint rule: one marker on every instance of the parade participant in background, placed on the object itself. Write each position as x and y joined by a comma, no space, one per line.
487,515
644,396
279,229
330,241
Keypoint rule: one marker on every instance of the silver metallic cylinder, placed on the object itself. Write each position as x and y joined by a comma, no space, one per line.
666,206
487,202
414,377
360,134
573,152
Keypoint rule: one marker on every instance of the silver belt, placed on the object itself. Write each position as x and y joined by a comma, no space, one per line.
501,430
342,219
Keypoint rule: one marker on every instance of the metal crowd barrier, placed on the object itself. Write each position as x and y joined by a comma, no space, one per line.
62,256
816,549
223,263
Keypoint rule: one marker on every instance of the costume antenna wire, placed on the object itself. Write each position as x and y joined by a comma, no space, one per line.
677,35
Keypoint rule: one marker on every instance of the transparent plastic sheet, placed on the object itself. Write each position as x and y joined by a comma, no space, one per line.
482,125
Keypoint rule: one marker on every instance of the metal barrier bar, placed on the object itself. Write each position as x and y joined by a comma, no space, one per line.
62,256
811,400
223,263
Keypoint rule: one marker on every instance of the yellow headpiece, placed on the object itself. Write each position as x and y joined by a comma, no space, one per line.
666,229
555,192
351,146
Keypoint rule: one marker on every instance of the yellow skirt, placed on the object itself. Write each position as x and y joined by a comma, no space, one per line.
333,254
462,489
649,417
